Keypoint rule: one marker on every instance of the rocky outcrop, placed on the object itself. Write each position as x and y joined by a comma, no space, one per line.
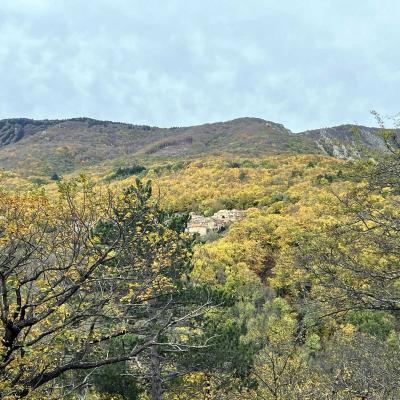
348,141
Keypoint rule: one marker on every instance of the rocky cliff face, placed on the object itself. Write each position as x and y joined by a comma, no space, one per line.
347,141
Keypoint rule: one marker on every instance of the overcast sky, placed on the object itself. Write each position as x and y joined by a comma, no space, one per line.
305,64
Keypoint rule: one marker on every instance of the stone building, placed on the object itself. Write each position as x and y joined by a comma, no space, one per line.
203,226
229,215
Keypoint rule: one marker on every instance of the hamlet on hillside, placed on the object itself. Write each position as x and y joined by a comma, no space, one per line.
198,224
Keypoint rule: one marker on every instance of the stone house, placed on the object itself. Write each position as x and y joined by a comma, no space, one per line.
203,226
229,215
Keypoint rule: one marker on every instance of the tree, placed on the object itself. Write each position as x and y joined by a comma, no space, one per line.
55,177
354,263
78,272
171,308
358,366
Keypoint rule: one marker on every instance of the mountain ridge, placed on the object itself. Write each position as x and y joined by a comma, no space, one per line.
48,146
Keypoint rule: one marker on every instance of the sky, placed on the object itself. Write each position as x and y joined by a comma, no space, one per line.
305,64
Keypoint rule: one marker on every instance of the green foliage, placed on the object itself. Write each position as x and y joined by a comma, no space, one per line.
123,172
242,176
375,323
55,177
116,379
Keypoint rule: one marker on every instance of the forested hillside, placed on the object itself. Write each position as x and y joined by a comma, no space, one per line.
62,146
105,296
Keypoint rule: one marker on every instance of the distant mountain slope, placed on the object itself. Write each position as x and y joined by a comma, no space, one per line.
45,147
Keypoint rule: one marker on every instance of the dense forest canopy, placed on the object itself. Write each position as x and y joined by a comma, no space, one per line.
104,295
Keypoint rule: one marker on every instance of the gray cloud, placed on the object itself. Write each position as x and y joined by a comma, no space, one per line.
305,64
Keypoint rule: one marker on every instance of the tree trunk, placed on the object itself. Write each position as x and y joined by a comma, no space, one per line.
156,380
207,387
